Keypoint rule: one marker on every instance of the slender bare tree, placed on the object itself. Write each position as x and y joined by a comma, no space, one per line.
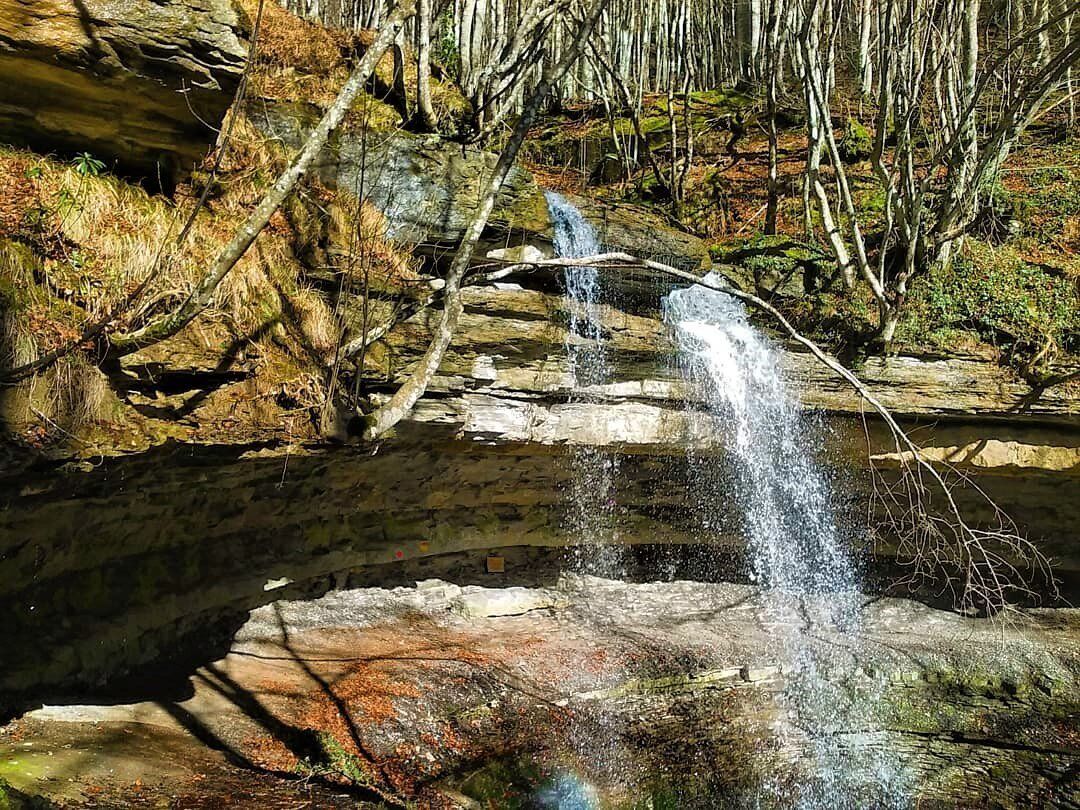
401,403
936,95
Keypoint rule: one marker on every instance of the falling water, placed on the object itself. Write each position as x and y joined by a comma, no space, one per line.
591,499
797,554
784,494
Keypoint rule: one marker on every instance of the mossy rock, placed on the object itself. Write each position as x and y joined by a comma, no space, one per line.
857,144
13,799
777,265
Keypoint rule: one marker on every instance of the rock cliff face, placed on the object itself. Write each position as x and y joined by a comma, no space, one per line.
135,82
112,561
197,504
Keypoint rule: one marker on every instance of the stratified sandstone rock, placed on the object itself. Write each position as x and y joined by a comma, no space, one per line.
137,83
692,685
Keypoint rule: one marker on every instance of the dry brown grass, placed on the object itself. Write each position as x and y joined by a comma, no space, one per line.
95,239
18,196
71,394
304,62
299,61
315,320
85,244
358,244
287,41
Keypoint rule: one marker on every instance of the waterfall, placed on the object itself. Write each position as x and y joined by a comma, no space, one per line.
591,497
783,493
749,443
740,405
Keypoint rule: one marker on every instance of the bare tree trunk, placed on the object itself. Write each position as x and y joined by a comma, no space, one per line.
424,111
1066,30
202,296
865,63
773,67
749,21
403,400
632,111
401,92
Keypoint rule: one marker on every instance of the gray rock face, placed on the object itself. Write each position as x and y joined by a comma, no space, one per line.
137,83
428,188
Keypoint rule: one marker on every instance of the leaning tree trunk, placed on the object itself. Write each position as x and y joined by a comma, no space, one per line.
203,294
400,91
401,403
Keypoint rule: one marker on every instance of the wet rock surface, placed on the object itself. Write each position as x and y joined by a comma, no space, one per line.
661,689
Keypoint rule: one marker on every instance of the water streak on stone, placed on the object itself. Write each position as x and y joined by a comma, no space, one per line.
591,495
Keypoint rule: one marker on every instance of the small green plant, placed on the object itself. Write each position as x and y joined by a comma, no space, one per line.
996,296
86,165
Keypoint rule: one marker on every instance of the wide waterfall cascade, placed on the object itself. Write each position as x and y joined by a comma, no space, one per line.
797,554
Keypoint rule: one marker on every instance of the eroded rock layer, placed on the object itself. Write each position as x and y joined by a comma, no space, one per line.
451,696
111,559
136,82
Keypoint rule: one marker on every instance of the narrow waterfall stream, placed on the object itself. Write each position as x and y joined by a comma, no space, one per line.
591,498
797,553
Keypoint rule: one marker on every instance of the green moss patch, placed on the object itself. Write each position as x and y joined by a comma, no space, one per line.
992,293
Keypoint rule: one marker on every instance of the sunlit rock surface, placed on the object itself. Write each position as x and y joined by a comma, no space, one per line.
138,83
113,557
428,188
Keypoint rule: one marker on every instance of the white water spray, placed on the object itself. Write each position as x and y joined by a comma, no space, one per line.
797,554
740,404
591,499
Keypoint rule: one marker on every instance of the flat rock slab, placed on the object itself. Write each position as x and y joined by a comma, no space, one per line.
477,602
622,684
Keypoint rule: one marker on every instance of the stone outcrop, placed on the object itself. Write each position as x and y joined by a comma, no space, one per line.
111,561
197,502
137,83
664,689
428,188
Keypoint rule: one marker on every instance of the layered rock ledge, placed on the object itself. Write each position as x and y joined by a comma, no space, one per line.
112,560
453,696
140,83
